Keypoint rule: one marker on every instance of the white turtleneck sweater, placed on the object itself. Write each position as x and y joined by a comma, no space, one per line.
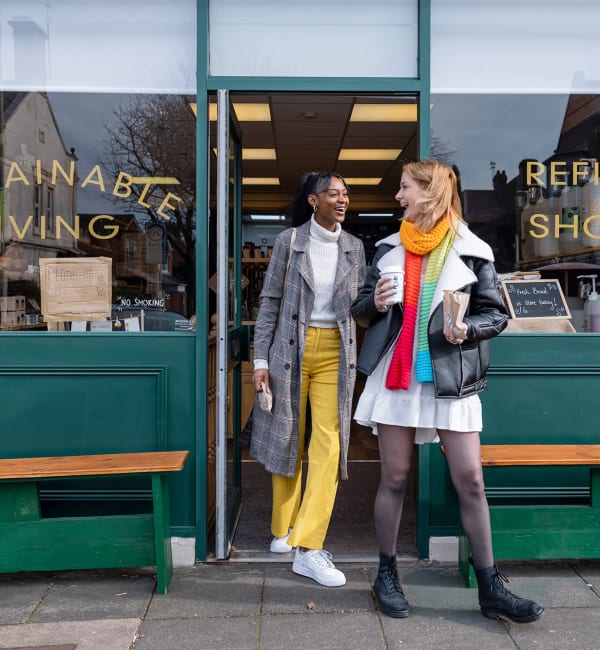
323,250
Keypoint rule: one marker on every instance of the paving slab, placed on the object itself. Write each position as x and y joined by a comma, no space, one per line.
590,574
436,587
84,596
113,634
427,629
236,633
211,591
560,629
19,596
332,631
288,593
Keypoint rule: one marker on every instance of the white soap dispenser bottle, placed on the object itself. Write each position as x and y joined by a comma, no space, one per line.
591,307
594,307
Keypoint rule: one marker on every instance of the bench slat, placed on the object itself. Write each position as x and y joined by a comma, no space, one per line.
506,455
92,465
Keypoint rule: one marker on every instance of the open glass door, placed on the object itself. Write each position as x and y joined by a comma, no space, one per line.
229,340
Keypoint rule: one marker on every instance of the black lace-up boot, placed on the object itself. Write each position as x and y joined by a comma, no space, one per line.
496,600
387,589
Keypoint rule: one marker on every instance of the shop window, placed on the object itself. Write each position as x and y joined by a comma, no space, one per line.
529,173
114,179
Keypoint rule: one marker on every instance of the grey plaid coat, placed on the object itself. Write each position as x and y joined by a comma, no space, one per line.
280,336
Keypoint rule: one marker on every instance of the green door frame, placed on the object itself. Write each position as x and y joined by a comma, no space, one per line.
420,86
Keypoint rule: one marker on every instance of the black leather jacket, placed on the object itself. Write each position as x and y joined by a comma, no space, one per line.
458,370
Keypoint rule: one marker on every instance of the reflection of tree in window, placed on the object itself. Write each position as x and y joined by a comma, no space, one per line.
154,137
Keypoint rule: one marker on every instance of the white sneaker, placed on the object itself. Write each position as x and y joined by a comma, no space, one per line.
280,545
318,566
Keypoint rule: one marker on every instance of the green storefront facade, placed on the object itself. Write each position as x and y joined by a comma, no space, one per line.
176,190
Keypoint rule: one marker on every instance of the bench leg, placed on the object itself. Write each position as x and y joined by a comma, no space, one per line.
466,568
162,531
595,487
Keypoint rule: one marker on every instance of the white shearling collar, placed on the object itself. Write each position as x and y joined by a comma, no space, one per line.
465,243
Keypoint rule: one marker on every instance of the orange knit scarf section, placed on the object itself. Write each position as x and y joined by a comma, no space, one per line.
420,243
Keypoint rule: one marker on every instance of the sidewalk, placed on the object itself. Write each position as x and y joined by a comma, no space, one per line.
266,606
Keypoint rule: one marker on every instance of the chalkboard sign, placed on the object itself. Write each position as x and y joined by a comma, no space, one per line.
535,299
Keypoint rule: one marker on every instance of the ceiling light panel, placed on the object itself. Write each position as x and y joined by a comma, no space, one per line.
256,180
384,113
369,154
258,154
362,181
252,112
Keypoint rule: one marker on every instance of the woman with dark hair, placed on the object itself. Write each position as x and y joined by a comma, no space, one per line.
425,373
305,351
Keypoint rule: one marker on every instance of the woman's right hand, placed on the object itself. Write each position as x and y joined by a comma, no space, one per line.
383,290
261,375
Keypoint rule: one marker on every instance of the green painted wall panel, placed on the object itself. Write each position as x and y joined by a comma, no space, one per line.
95,393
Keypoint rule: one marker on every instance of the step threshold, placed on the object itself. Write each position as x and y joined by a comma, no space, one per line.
263,557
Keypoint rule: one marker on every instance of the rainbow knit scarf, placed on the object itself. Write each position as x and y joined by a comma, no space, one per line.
438,241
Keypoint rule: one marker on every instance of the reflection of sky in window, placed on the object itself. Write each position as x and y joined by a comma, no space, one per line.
505,129
81,121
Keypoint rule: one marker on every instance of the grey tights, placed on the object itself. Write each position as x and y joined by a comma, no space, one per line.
464,463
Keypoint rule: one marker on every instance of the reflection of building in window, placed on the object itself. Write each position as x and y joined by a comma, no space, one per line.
130,249
37,207
50,212
133,273
32,198
38,176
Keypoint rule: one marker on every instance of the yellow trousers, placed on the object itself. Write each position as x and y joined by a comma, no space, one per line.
309,513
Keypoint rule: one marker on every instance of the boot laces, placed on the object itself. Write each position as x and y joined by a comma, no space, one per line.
499,580
323,559
392,578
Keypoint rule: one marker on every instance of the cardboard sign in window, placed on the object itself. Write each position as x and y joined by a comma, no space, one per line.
76,289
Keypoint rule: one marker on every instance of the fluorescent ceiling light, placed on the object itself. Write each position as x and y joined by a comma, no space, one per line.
384,113
255,154
375,214
267,217
369,154
243,112
255,180
252,112
362,181
258,154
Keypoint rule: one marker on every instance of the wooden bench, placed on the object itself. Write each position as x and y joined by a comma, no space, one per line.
30,542
531,531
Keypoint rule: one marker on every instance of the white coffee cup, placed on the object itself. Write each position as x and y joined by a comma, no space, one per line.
396,274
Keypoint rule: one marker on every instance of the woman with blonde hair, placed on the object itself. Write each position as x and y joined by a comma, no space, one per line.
424,376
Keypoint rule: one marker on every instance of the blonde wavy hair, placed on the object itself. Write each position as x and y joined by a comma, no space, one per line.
440,193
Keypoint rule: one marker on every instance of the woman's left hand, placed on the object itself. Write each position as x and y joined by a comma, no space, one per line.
450,333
